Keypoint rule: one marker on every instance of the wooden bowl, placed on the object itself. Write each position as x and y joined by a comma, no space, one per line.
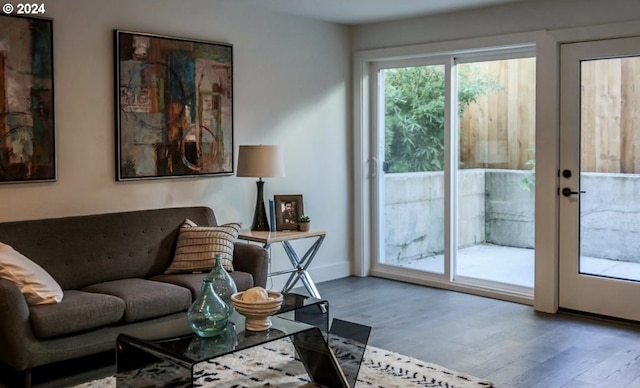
257,313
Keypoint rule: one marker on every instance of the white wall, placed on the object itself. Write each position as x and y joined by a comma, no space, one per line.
290,89
516,17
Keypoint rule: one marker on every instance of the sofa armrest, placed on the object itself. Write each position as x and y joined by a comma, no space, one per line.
16,335
253,259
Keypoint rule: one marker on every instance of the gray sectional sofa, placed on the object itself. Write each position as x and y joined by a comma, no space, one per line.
111,269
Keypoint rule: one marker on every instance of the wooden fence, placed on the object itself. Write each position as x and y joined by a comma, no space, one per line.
498,131
611,115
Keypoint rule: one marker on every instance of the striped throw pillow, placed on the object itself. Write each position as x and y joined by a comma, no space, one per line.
198,245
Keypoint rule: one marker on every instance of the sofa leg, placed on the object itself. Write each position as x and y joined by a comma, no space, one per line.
26,378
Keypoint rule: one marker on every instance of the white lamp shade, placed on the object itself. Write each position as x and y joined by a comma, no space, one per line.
260,161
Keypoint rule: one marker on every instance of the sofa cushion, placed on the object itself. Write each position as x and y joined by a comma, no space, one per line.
144,298
243,280
37,286
197,247
193,281
78,311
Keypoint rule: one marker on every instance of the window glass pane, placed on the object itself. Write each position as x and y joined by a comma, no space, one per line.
496,166
610,168
414,137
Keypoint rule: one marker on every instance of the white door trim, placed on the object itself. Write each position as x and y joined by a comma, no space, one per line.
546,293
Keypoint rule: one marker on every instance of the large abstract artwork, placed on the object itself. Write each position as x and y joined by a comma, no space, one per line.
27,147
174,107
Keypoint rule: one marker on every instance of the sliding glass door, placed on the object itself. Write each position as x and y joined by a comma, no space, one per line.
454,178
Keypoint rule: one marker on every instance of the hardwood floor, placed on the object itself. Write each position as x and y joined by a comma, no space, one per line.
507,343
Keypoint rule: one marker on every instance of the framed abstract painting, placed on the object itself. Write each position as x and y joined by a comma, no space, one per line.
27,140
174,107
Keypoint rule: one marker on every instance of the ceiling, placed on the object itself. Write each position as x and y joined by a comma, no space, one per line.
352,12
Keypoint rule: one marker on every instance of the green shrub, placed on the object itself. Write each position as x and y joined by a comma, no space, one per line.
414,113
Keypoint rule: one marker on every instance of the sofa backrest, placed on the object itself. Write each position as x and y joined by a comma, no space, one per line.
82,250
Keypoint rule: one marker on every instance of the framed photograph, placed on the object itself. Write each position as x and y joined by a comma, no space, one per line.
174,107
27,142
288,210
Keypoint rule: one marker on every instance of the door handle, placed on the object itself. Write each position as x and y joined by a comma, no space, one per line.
374,167
567,192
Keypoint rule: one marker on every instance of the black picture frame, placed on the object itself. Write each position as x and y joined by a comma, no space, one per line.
288,209
27,125
174,107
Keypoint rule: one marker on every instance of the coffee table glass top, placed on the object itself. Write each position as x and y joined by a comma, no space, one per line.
176,338
307,309
293,301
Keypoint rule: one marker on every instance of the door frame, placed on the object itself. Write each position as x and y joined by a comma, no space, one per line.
547,268
377,132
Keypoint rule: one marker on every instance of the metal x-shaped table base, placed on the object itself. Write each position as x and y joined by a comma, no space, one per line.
300,265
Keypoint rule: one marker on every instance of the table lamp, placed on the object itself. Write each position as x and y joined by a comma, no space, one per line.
260,161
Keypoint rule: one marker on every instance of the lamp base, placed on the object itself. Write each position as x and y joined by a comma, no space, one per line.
260,221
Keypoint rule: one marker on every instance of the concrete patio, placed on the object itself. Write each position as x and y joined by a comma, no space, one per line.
515,265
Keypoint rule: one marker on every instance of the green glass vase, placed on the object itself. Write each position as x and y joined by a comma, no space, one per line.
222,282
208,314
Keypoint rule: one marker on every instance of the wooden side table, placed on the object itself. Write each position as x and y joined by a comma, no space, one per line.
299,265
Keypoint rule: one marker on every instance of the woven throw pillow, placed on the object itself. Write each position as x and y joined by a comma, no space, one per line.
198,245
37,286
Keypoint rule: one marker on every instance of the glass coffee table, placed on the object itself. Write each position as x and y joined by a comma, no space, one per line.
168,353
307,309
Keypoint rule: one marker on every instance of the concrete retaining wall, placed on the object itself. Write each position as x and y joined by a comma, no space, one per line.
493,208
414,215
610,211
510,210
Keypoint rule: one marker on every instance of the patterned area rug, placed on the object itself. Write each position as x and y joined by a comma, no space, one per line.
274,365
